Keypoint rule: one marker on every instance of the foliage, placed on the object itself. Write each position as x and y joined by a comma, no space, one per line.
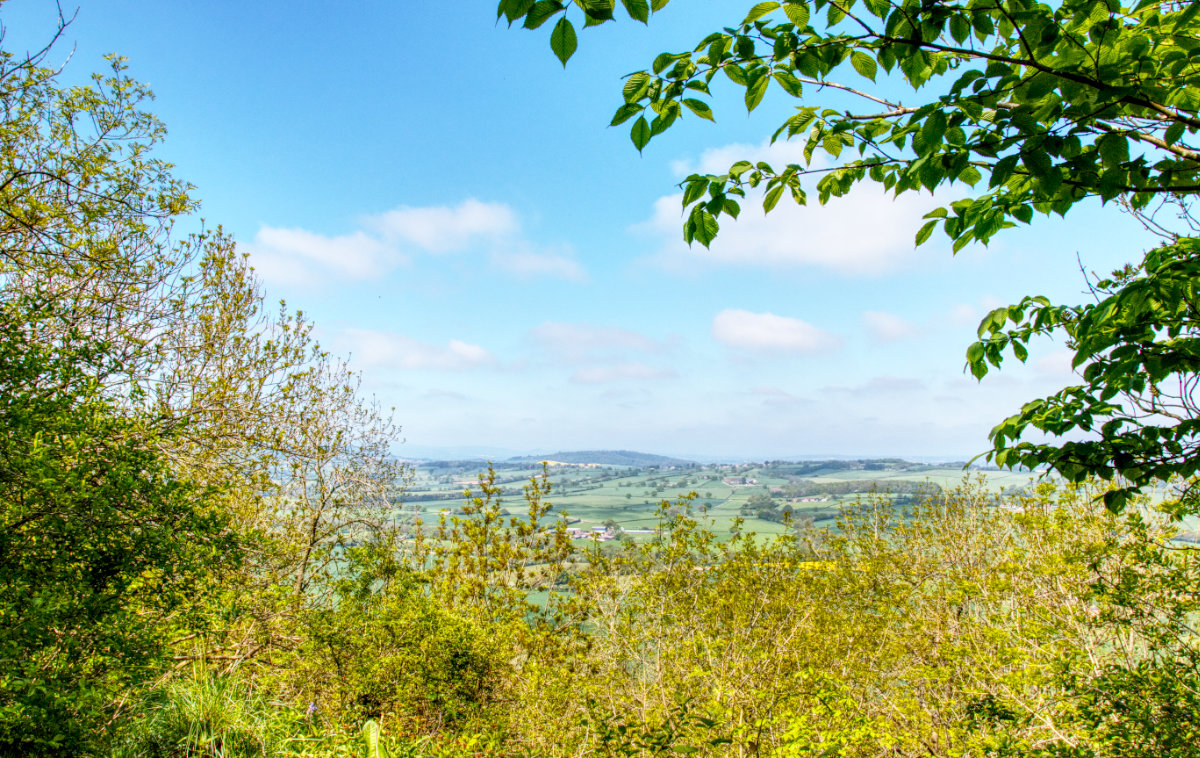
179,462
385,650
100,543
1052,103
895,634
484,562
1138,353
1033,108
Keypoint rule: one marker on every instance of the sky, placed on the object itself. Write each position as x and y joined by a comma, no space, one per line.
448,204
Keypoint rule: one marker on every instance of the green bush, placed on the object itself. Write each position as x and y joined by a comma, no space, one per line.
382,649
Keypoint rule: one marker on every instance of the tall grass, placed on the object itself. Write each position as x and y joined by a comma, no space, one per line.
206,715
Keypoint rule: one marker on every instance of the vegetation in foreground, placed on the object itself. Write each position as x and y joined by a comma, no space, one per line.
200,555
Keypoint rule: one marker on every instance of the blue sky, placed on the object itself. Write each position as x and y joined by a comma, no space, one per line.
450,207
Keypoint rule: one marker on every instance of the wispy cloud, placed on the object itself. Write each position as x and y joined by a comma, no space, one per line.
576,343
528,263
373,349
887,327
769,333
301,257
444,229
619,373
868,232
774,396
382,242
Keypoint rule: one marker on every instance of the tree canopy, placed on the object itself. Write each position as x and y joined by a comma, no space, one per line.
177,461
1027,109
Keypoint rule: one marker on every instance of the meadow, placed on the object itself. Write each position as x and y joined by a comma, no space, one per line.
628,497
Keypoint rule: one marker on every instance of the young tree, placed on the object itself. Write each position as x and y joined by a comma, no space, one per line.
152,406
1033,106
103,547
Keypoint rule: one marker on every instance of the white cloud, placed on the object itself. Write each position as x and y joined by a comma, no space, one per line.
301,257
1057,363
866,232
298,256
442,229
895,384
887,327
774,396
525,264
768,333
374,349
580,342
717,160
622,372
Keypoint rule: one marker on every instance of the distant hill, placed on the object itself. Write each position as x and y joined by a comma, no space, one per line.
606,458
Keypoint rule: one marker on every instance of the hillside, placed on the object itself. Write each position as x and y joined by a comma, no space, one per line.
606,458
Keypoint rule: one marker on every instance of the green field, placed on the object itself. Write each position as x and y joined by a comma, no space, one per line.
594,495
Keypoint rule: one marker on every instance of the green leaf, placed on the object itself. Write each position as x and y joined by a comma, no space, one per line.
797,13
863,64
736,73
636,86
563,41
1174,132
772,198
1115,500
699,107
789,82
1036,161
640,133
626,112
925,231
933,130
755,91
694,191
638,10
759,11
960,28
701,226
1114,149
541,12
661,61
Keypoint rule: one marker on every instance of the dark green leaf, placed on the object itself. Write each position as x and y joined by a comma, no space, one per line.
626,112
638,10
563,41
541,12
699,107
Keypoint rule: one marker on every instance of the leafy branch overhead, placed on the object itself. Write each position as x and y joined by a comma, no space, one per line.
1049,104
1035,107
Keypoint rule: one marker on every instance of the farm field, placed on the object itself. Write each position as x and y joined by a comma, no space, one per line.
624,499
